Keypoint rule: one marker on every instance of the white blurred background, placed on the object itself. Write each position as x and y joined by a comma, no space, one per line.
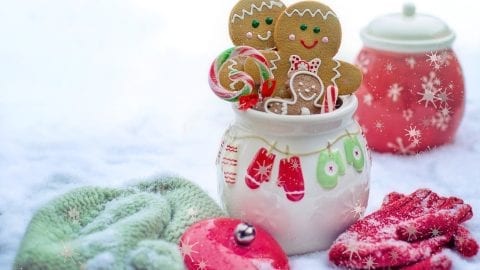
100,92
113,61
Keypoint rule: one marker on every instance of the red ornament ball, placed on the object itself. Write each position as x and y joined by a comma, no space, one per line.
213,244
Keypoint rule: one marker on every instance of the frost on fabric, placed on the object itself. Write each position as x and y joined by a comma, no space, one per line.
103,261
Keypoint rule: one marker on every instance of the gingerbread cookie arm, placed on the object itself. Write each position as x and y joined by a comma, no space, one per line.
281,76
223,74
246,64
278,106
251,67
272,57
349,78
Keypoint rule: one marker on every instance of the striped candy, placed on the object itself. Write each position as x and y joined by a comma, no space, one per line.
236,75
330,99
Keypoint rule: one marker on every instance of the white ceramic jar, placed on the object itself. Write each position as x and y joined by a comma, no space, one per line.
304,178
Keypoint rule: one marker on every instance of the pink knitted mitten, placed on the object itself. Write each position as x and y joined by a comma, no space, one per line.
407,231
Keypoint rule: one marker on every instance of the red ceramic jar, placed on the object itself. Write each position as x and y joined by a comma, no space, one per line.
412,96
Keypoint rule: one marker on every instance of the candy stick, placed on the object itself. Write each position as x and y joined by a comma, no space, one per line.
236,75
330,99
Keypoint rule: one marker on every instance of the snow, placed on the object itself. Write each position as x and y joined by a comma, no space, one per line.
105,92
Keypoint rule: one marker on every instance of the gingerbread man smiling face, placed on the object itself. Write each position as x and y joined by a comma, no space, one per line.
252,22
307,36
306,90
309,28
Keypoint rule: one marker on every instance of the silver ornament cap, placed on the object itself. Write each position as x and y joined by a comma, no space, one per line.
244,234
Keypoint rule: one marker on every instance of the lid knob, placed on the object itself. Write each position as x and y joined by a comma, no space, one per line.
408,9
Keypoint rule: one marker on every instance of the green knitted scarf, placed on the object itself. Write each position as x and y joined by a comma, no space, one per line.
106,228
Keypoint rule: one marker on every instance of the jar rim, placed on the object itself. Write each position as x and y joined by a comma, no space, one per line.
349,105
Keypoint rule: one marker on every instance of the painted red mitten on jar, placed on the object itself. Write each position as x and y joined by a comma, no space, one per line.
260,168
290,177
406,231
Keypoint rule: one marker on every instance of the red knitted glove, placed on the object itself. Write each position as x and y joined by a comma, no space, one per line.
406,231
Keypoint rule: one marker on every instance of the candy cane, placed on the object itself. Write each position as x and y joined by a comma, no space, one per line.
330,99
236,75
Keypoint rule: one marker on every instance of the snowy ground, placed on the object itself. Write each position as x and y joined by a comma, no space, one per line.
103,92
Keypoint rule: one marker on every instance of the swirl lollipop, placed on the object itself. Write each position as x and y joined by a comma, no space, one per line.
246,96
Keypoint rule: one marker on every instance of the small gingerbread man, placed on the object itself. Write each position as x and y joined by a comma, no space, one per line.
307,36
306,90
252,23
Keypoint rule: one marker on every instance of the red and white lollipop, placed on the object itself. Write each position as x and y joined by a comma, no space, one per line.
245,96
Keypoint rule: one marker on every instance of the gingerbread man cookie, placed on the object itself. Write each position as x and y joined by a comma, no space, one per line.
306,90
252,23
307,36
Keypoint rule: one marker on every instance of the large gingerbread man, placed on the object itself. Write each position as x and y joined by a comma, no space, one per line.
307,36
252,23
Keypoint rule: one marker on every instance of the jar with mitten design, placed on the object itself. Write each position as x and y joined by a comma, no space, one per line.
303,178
412,95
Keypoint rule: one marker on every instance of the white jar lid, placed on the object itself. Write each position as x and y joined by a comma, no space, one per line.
408,32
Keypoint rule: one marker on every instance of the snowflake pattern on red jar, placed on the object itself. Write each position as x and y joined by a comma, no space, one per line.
409,103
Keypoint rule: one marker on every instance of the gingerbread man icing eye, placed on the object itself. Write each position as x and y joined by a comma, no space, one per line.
269,20
252,23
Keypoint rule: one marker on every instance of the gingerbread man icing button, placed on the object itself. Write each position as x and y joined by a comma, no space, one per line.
306,90
307,36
